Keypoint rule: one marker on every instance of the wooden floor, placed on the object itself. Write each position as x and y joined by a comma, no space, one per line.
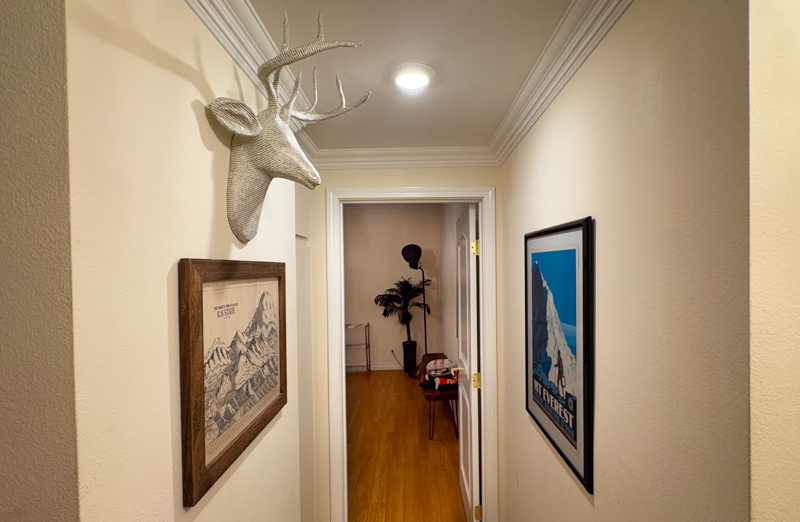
395,473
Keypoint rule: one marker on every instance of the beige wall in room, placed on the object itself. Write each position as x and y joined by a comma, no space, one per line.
148,182
38,476
474,177
374,235
775,258
650,138
452,212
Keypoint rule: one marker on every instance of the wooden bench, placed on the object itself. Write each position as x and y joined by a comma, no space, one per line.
433,395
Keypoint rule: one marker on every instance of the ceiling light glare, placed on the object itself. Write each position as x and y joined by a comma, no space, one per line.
413,76
412,80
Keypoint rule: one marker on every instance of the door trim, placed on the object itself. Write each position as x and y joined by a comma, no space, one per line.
487,306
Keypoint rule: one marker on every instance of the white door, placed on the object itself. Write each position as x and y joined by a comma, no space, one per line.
467,332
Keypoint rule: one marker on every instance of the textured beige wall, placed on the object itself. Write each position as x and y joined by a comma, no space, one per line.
148,171
775,259
374,235
650,137
473,177
38,477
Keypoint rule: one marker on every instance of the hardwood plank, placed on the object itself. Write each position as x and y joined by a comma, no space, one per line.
395,473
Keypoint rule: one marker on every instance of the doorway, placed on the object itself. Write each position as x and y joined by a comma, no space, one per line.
481,473
403,450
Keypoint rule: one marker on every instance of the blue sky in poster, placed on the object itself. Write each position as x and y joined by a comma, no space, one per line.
559,270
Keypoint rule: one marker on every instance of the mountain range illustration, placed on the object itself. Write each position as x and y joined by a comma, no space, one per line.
549,340
240,373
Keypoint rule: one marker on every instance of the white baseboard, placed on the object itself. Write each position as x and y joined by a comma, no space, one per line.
351,368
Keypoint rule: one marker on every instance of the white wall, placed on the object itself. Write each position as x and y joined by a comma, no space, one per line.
38,476
650,137
148,169
775,258
374,235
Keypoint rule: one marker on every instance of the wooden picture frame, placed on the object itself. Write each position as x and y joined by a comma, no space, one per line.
559,341
228,389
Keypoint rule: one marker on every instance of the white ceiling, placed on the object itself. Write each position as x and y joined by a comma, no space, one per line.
482,53
500,64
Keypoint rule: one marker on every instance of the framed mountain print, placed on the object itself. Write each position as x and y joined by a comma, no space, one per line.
233,362
559,369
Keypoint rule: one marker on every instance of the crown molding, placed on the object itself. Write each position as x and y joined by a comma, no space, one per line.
235,24
238,28
396,158
579,32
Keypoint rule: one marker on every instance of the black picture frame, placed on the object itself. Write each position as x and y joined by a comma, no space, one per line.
574,443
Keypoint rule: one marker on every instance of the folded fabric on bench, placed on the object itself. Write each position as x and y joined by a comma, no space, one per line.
439,375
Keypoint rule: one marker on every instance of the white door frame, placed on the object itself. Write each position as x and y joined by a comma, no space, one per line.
487,304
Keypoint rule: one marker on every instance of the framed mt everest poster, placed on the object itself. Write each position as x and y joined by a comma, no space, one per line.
559,311
233,362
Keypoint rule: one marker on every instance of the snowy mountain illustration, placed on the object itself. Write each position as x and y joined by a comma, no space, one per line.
548,339
242,372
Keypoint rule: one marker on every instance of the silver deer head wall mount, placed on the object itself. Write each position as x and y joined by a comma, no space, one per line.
264,146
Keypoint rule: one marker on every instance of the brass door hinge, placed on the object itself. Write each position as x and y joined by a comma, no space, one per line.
479,512
476,380
475,247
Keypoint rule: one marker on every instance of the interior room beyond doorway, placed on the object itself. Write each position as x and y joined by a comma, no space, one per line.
396,471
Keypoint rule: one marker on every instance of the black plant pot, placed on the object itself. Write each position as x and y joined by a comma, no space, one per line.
410,357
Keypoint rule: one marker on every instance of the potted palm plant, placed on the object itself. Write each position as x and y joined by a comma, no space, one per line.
398,302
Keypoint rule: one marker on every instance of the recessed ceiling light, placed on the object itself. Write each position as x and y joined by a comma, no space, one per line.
413,76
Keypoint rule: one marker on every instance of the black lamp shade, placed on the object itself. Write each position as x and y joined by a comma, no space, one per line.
412,253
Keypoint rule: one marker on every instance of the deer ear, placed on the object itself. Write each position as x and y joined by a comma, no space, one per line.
236,116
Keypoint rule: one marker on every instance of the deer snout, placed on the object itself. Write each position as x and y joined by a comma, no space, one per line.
296,166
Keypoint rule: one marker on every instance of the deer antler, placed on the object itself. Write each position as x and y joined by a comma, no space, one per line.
263,146
312,116
284,47
288,56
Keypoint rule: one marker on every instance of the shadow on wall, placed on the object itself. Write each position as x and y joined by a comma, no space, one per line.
221,235
433,272
433,293
430,264
96,23
214,136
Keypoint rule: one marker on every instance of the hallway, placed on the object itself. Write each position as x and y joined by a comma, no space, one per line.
633,260
394,472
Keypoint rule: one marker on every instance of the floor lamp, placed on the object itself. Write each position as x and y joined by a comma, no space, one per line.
412,254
